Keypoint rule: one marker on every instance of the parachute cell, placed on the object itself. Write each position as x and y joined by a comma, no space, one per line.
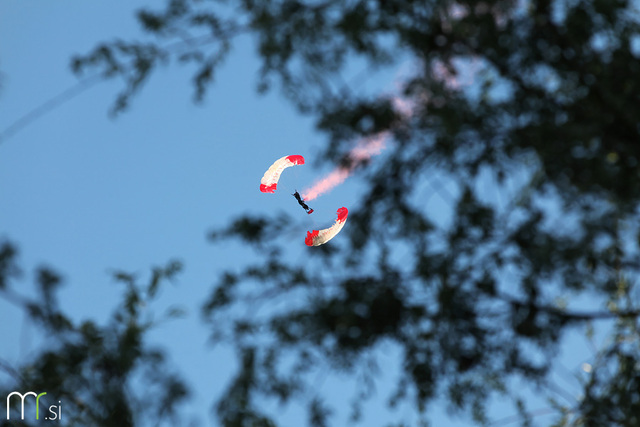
320,237
269,182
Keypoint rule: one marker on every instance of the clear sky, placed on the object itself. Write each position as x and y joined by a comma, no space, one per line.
87,194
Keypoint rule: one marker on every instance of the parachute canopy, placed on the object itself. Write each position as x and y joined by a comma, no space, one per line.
269,181
320,237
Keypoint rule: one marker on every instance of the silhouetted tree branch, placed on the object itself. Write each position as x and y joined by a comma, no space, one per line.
105,375
494,199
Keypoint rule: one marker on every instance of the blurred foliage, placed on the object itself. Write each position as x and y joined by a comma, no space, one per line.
535,161
99,374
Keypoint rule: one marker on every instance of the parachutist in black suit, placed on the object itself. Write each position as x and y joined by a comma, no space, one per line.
301,202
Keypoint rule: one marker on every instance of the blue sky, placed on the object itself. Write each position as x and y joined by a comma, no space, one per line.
87,194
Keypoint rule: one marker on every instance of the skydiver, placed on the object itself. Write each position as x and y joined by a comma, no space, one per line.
301,202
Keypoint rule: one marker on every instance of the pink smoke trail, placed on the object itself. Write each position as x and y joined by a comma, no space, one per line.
462,76
362,152
372,146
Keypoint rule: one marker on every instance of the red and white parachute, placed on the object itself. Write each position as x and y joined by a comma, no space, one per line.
320,237
269,181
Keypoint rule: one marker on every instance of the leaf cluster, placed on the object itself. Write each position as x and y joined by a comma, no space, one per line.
104,374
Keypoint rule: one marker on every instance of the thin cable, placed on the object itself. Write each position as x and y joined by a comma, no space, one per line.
49,105
78,88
